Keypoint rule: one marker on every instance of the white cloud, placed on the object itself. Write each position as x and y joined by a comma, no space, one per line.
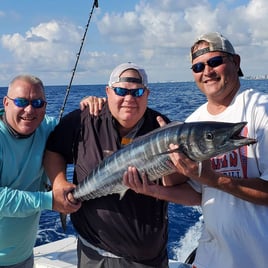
161,32
156,34
50,43
48,47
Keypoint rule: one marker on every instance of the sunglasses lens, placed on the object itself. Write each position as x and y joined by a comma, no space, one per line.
198,67
120,91
137,92
216,61
213,62
21,102
133,92
38,103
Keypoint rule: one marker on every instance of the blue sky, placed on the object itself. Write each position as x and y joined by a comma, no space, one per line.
42,37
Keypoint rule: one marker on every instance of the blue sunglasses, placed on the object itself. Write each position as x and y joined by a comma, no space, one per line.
120,91
213,62
22,102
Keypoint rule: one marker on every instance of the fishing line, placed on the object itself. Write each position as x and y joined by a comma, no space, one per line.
95,4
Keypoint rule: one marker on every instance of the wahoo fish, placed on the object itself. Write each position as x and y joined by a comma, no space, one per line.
149,153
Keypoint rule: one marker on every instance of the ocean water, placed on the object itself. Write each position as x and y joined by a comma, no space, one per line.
177,101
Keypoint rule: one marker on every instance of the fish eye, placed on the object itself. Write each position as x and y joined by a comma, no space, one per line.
209,136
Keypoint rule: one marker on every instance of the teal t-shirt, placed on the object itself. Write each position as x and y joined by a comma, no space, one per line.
22,191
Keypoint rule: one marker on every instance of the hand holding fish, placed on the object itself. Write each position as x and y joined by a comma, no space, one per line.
139,184
183,163
253,190
199,171
63,200
180,193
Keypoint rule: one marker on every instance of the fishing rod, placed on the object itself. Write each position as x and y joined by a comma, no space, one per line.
95,4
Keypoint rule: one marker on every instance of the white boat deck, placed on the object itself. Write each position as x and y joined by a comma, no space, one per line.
58,254
62,254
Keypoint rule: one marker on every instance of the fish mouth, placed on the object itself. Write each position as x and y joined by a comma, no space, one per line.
238,138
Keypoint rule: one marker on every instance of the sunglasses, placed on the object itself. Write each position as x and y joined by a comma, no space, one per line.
120,91
213,62
22,102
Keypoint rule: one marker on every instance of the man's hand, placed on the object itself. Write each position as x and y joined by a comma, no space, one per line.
181,193
201,172
63,200
161,121
94,104
141,185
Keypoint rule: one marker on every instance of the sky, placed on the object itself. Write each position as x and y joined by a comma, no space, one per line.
43,37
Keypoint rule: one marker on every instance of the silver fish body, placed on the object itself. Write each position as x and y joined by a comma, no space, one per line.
149,153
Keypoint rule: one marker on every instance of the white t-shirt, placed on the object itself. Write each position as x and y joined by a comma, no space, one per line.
234,233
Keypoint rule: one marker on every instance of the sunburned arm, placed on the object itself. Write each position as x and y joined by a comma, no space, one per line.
180,193
55,167
174,179
254,190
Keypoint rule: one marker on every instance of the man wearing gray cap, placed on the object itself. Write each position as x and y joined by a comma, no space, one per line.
131,232
234,186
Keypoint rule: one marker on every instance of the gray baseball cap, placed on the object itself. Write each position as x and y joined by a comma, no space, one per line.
118,70
217,42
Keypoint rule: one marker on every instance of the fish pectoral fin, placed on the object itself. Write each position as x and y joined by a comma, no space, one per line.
180,149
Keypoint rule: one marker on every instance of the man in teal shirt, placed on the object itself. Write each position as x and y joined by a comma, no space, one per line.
24,129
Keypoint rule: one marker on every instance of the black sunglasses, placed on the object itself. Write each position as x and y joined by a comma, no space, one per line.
22,102
120,91
213,62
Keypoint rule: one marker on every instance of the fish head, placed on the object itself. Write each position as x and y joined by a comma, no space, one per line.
207,139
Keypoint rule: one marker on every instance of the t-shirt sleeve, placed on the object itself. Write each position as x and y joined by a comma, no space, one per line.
62,138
